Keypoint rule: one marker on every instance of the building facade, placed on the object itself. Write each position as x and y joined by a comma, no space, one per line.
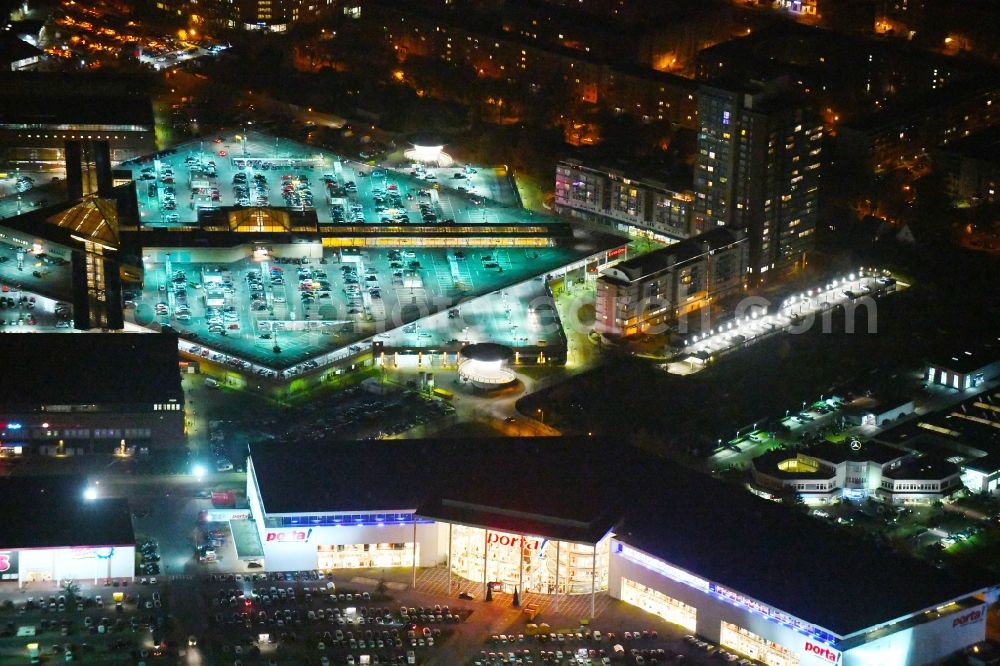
125,396
623,202
758,169
650,555
646,293
51,533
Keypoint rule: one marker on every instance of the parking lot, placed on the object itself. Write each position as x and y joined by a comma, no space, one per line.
330,305
25,275
264,170
520,315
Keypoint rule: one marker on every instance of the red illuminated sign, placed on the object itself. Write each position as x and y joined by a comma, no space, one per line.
822,651
617,252
969,618
513,541
297,536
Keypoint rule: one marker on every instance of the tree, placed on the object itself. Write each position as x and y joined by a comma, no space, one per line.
489,592
517,599
71,589
381,588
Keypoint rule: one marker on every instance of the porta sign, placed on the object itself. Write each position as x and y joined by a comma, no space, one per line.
823,651
513,541
972,617
288,536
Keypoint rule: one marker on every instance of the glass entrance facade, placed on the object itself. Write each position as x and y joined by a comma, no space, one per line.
366,555
655,602
743,641
529,562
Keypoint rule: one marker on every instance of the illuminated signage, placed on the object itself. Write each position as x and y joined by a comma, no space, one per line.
823,651
289,536
660,567
972,617
8,565
617,252
513,540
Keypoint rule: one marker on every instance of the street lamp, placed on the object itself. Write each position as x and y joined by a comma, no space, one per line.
90,493
199,472
541,415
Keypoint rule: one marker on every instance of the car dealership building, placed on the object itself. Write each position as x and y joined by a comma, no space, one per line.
578,516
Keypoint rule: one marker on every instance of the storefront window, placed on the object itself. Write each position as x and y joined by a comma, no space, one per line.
655,602
528,562
746,642
366,555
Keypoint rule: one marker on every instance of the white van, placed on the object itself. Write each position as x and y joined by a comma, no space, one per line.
209,381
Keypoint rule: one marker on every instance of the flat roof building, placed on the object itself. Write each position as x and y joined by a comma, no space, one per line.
51,533
966,368
566,516
647,292
625,199
965,433
68,394
855,469
39,111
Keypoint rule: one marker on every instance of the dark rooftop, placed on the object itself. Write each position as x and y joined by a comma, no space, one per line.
47,512
446,478
982,145
88,369
645,265
778,556
926,467
13,49
578,488
837,452
966,430
970,358
90,98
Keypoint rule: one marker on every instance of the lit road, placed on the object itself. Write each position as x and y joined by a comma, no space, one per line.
796,313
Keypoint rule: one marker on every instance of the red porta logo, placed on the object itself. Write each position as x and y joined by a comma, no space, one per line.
969,618
299,536
4,562
822,651
507,540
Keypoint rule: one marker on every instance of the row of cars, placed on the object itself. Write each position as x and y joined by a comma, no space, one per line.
149,558
247,190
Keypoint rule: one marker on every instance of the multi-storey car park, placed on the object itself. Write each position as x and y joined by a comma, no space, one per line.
763,582
278,259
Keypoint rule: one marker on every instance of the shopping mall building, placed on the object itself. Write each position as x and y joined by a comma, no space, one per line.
578,516
49,532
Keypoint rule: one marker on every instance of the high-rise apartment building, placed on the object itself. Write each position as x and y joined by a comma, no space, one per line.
758,169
